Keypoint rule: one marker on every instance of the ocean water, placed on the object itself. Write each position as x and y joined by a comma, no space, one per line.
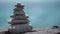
41,14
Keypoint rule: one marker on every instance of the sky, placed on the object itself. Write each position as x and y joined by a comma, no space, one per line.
42,13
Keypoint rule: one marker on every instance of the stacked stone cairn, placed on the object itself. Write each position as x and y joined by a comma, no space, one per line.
19,20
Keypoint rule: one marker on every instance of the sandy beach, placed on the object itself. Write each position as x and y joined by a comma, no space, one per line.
38,31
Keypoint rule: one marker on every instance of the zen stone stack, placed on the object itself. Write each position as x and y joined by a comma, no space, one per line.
19,21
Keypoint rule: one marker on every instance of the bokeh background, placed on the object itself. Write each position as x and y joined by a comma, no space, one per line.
42,13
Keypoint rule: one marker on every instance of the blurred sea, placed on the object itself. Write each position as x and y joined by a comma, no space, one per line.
41,14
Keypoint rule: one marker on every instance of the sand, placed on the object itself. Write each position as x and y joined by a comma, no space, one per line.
37,31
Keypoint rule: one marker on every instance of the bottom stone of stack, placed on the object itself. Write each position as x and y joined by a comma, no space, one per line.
20,28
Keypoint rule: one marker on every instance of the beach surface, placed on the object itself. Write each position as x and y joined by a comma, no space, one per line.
37,31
